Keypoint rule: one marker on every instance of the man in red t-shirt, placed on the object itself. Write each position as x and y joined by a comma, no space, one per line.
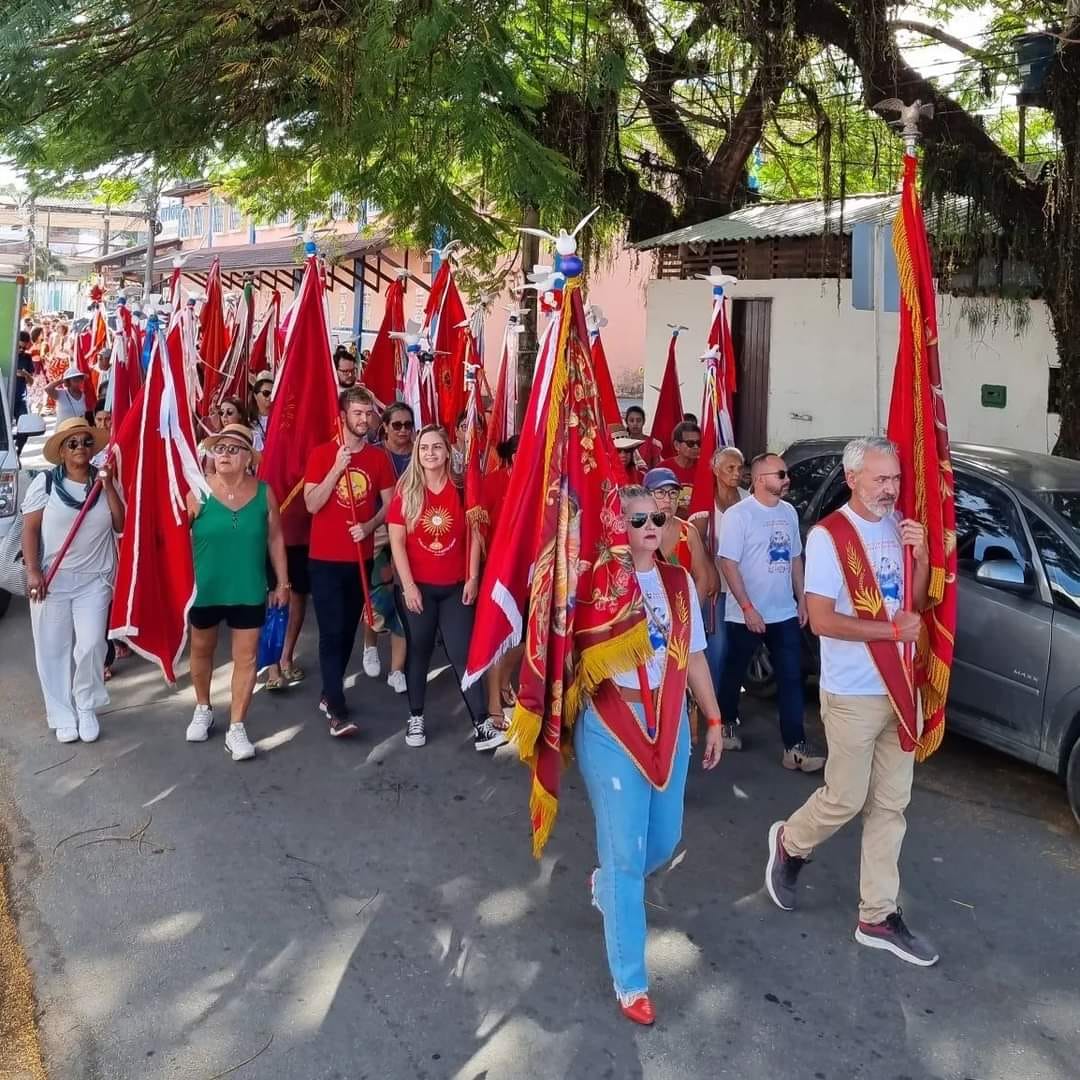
342,488
686,439
651,450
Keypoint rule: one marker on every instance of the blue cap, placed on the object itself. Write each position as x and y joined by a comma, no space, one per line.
660,478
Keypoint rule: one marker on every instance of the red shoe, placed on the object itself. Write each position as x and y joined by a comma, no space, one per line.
640,1010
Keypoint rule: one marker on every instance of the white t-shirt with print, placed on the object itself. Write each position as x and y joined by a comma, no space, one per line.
846,666
763,540
658,614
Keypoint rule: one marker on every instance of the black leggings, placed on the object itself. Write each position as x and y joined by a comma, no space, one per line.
445,612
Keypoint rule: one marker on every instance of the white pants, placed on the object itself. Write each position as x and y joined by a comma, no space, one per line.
69,647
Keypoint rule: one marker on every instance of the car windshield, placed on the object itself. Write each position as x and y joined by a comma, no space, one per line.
1067,504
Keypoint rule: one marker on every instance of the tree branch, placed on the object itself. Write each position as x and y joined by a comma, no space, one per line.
931,31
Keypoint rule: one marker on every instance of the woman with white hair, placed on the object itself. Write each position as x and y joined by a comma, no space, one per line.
728,464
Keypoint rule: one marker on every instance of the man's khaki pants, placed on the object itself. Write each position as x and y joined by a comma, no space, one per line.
868,771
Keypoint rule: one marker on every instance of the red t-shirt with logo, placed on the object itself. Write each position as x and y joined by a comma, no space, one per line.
685,475
370,472
436,544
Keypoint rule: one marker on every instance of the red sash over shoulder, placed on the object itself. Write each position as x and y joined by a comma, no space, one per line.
655,754
866,599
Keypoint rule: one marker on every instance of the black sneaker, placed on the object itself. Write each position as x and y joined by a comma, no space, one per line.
488,737
341,725
893,935
782,870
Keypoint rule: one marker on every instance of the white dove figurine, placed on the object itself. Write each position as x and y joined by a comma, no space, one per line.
565,243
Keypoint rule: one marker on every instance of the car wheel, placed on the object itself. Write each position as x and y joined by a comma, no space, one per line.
760,677
1072,780
5,602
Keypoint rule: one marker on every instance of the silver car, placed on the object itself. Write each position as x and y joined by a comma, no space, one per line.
1016,671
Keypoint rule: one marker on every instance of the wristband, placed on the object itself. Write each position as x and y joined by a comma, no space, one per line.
895,632
747,607
713,721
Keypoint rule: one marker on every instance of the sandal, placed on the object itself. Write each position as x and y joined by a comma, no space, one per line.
498,722
275,684
293,674
509,697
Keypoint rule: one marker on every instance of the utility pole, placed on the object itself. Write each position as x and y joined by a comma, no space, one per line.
32,236
151,225
530,301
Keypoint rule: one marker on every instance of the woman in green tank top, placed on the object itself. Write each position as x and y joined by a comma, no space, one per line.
231,532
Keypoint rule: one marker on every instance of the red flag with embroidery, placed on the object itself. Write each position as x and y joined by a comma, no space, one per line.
475,504
212,342
703,496
155,576
503,424
304,410
918,426
669,406
609,401
264,349
444,314
127,376
561,524
383,374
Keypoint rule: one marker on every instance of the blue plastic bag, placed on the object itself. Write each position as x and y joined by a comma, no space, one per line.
272,635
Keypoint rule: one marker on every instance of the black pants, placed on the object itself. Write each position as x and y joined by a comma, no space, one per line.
445,612
339,605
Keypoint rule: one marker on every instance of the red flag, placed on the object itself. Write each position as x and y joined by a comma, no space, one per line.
475,507
83,345
304,410
669,406
503,424
264,349
127,376
235,367
703,497
443,315
918,426
211,340
155,578
562,524
383,374
609,402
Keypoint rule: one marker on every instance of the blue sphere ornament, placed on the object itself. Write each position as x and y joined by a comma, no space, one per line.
309,247
717,291
571,265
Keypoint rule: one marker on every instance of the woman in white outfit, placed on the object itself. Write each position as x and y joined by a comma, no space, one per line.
70,618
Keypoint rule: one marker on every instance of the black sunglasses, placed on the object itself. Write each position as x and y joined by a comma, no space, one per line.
264,393
402,425
781,473
692,445
637,521
85,443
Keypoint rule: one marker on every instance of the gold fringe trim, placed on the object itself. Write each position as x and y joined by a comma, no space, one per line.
937,583
543,809
525,727
477,516
931,741
599,662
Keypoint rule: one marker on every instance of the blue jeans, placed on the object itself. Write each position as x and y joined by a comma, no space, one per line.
784,640
715,639
637,828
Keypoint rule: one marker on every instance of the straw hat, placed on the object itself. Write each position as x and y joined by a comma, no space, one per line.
624,440
234,433
73,373
64,430
263,376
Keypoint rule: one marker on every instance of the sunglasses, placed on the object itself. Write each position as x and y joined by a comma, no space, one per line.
402,425
264,393
692,445
227,449
637,521
85,443
781,473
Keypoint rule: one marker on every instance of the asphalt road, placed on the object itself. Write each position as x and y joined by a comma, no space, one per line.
362,910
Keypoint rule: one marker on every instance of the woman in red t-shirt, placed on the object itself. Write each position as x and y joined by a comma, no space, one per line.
437,559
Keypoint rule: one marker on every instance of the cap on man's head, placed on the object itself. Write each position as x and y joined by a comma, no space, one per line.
655,479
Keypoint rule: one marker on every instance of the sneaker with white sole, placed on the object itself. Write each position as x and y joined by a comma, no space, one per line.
893,935
67,734
89,728
396,681
782,870
415,732
804,758
202,723
238,744
488,737
372,667
731,737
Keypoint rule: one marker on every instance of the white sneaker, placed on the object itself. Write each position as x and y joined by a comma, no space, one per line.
202,723
67,734
396,681
372,667
238,744
415,734
89,728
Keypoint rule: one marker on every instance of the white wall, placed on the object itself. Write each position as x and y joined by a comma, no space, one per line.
827,378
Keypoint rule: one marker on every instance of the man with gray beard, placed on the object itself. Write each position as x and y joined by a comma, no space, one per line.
855,599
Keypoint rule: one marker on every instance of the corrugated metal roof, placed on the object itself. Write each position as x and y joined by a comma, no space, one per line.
761,221
278,254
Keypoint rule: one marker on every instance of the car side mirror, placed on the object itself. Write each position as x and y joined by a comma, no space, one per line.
1005,574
